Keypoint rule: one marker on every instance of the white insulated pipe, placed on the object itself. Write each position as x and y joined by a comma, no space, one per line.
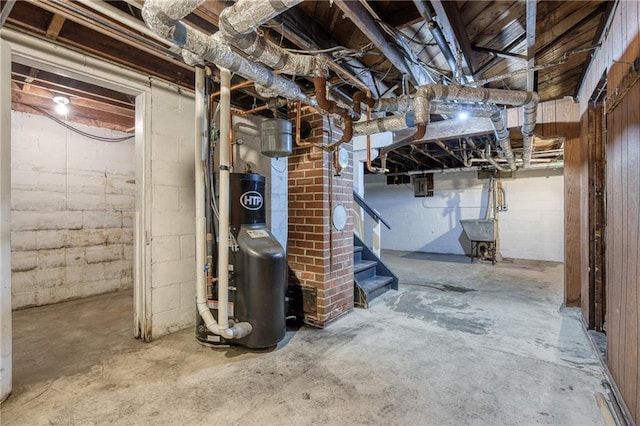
223,200
162,16
238,24
124,18
201,139
221,327
432,95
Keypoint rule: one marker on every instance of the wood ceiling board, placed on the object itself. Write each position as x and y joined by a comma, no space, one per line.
493,20
78,112
126,113
580,38
28,15
398,14
454,28
503,40
86,39
100,93
571,16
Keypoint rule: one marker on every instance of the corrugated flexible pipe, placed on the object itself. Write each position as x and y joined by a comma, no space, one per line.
163,17
434,94
238,24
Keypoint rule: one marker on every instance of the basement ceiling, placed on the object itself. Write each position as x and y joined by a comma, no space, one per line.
389,46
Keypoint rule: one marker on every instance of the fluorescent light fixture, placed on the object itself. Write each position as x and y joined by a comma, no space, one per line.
463,115
61,104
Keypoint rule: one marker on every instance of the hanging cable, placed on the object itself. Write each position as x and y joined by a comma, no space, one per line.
78,131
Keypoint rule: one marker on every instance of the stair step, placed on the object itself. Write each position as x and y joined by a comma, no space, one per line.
374,283
363,265
356,249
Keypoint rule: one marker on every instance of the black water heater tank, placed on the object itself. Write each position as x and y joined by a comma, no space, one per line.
259,264
247,201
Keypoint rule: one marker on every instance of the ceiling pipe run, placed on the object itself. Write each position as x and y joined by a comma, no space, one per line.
163,17
415,110
438,36
238,24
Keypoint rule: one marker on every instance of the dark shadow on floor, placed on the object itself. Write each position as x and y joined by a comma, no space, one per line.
438,257
51,341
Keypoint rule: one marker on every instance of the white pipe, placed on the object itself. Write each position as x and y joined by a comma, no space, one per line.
124,18
221,328
223,203
201,138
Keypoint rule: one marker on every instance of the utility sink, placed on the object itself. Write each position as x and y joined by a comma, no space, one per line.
480,229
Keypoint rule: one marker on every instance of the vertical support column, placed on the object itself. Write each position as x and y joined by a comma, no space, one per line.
320,256
5,220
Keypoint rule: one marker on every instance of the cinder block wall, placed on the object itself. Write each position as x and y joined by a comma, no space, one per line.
320,257
531,228
171,205
73,203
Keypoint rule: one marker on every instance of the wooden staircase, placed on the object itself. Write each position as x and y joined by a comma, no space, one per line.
371,277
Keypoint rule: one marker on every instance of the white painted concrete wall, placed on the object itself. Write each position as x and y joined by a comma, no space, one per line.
73,201
5,221
247,138
531,228
172,207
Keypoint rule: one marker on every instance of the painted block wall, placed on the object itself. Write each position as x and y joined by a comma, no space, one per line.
531,228
248,156
172,208
72,202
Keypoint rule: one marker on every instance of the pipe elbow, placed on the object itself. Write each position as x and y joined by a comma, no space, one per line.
348,131
238,331
320,85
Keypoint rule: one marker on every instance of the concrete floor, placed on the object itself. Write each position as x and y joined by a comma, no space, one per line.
460,343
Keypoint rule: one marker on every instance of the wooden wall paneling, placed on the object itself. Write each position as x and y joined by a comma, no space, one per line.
632,335
572,262
599,191
584,213
613,220
588,132
629,241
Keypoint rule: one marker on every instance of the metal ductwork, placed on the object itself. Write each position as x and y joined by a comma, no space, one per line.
446,100
163,17
238,24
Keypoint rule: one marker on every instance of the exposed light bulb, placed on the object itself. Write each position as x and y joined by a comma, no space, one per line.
62,109
463,115
61,104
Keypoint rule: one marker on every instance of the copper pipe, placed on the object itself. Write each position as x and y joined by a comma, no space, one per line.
419,134
331,107
359,97
239,85
234,87
251,111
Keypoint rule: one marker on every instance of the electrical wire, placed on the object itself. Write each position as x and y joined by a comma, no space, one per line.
78,131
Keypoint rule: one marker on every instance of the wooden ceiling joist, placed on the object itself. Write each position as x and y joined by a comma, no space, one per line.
363,20
450,20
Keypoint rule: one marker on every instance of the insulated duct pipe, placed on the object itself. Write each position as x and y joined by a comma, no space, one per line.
238,24
438,36
163,17
528,100
434,94
405,104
